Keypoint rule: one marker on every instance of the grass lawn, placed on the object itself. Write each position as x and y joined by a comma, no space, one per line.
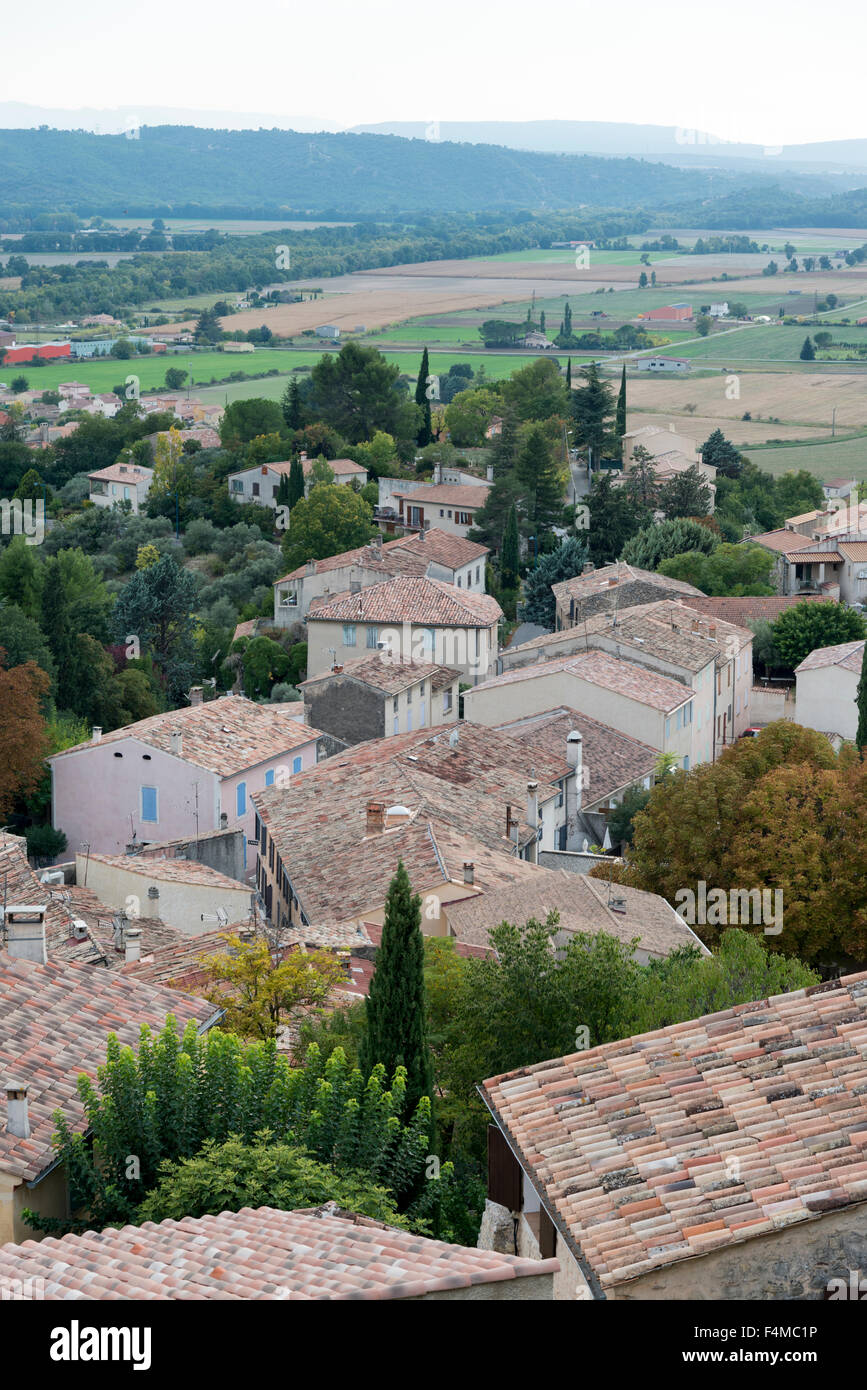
837,458
102,374
765,342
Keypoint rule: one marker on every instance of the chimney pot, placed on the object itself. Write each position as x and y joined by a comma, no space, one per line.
132,945
469,871
310,567
533,804
17,1110
375,817
176,743
489,473
196,694
96,733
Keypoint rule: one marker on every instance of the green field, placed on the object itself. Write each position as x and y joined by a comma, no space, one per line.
565,256
766,342
102,374
845,458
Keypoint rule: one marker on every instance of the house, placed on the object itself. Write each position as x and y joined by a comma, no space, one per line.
648,707
403,798
327,330
54,1024
721,1158
269,1254
658,442
805,567
669,313
840,487
710,655
446,506
119,483
612,587
583,905
826,687
719,311
535,339
656,363
261,484
378,698
182,892
433,554
175,773
408,616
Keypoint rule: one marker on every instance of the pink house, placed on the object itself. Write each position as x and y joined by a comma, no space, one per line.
177,773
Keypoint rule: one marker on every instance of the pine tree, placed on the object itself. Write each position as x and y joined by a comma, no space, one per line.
422,399
509,555
290,405
592,408
540,482
296,483
620,420
395,1006
861,701
808,352
504,454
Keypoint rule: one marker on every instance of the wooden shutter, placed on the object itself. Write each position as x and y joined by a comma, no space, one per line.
547,1235
505,1177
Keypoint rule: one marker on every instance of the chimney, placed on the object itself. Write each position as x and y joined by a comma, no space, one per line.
132,945
176,743
438,474
197,695
378,540
575,783
612,583
489,473
154,900
375,817
96,733
303,456
469,872
533,804
17,1113
224,820
24,932
310,567
509,822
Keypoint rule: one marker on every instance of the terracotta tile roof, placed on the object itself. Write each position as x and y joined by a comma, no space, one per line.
170,870
54,1022
808,557
427,602
608,672
320,819
849,655
440,547
611,760
701,1135
224,736
745,610
178,963
370,557
341,468
465,496
587,585
854,550
317,1253
390,673
405,555
128,474
583,906
782,541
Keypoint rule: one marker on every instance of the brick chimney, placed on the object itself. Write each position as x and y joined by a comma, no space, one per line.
176,742
310,567
375,817
197,695
17,1110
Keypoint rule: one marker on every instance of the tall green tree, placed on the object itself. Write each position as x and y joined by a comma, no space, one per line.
504,454
861,701
396,1010
422,400
620,419
592,412
295,485
564,563
569,374
539,479
356,392
807,626
332,519
156,607
509,555
290,405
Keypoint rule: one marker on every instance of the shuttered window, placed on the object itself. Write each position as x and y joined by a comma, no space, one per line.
505,1178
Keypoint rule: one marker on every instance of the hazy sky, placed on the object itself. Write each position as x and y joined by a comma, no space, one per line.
746,69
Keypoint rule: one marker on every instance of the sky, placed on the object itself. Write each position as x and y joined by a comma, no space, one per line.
745,70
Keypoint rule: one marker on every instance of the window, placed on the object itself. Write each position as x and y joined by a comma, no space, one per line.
442,512
372,637
395,703
428,637
464,518
421,718
668,727
678,719
255,489
478,573
126,494
685,763
560,795
397,724
459,581
447,701
149,807
409,721
269,777
450,514
241,799
349,634
296,765
237,485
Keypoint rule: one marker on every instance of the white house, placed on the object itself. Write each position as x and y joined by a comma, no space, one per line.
260,484
826,689
327,330
121,482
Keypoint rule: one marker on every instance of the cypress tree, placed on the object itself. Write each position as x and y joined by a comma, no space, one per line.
283,493
861,701
568,373
291,406
425,433
296,483
542,322
504,454
567,321
395,1006
620,421
509,555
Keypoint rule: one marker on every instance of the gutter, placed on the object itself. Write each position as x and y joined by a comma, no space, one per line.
552,1213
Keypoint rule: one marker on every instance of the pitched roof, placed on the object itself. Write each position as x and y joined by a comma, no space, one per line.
583,586
809,557
699,1136
782,540
341,468
465,496
320,819
609,672
170,870
745,610
427,602
667,629
223,736
390,673
610,760
127,473
854,550
404,555
849,655
438,546
317,1253
54,1022
583,906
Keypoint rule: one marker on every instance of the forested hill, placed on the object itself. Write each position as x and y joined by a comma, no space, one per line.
183,168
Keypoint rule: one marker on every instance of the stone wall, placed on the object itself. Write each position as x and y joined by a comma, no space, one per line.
348,710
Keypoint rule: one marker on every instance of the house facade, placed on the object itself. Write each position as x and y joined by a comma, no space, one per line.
381,698
121,482
826,689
